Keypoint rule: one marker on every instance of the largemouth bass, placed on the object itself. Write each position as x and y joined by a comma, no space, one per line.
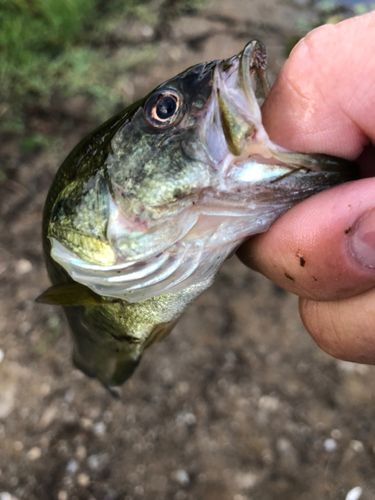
145,210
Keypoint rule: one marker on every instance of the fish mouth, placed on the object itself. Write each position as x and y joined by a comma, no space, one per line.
239,82
241,87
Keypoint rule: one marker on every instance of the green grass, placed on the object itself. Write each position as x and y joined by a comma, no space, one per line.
49,46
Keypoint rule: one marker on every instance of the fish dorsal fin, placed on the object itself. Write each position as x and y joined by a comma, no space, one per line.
70,294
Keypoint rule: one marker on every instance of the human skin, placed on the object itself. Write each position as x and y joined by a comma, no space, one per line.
323,249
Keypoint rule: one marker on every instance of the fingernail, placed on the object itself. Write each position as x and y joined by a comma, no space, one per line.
362,240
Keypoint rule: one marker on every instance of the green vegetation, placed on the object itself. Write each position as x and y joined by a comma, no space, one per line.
71,47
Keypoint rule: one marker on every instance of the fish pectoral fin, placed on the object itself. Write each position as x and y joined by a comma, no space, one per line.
159,332
70,294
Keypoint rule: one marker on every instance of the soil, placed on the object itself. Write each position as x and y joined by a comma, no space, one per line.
238,403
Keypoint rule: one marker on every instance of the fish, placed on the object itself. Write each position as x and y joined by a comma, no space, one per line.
145,209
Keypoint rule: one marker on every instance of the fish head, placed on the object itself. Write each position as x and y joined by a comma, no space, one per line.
186,174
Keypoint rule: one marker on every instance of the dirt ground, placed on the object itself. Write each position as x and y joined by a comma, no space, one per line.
237,403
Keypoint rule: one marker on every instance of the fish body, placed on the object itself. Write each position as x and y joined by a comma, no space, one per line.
144,211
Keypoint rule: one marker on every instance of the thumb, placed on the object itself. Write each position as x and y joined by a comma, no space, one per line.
324,247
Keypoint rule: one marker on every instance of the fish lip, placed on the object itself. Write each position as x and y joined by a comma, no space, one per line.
252,65
240,86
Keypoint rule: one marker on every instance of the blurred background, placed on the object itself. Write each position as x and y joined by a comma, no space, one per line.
237,403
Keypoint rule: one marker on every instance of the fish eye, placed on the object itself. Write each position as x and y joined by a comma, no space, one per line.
163,108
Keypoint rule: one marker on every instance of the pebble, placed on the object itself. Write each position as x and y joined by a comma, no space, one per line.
1,355
69,396
147,31
182,477
18,446
354,494
23,266
72,467
357,446
99,429
330,445
45,389
139,490
186,418
245,481
283,445
86,423
81,452
48,417
83,480
34,454
269,403
7,496
6,401
62,495
336,434
97,462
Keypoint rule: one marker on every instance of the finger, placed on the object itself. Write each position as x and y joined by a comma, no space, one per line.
324,247
344,329
324,97
322,101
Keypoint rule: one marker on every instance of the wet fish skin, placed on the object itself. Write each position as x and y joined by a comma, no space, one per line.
141,214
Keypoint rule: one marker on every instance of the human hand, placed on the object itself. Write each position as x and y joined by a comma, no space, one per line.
323,249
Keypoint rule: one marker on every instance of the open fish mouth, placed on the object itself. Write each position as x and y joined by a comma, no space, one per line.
252,181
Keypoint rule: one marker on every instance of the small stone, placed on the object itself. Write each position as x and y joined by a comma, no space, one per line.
357,446
283,445
147,31
1,355
24,327
81,452
186,418
18,446
86,423
45,389
48,416
83,480
183,388
72,467
139,490
5,496
346,366
69,396
97,462
362,369
336,434
6,402
34,454
182,477
99,429
269,403
62,495
330,445
354,494
175,53
23,266
245,481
